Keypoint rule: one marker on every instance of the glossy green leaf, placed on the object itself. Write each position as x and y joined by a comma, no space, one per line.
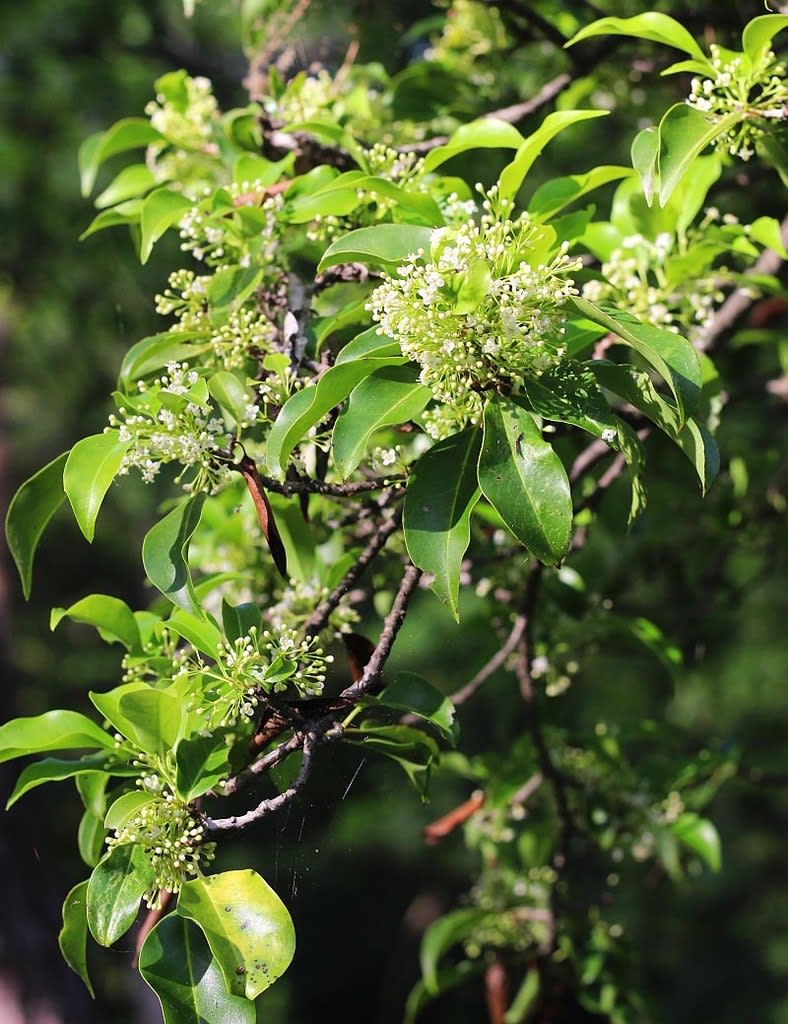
636,387
369,343
118,883
412,749
699,446
550,198
56,769
230,393
569,393
700,835
525,481
160,211
90,468
132,182
628,443
487,133
249,167
30,510
767,231
759,32
130,133
126,807
197,630
442,491
112,618
175,960
411,693
388,396
155,352
659,28
683,134
150,718
92,788
442,935
247,926
385,245
672,356
306,408
54,730
345,193
238,619
165,552
645,154
232,286
123,213
513,175
90,837
201,762
74,933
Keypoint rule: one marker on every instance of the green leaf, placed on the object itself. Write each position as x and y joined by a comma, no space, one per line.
92,465
197,630
636,387
55,769
230,393
112,618
700,836
413,750
132,182
759,32
238,619
126,807
554,195
766,230
156,351
130,133
306,408
160,211
385,245
388,396
150,718
628,443
90,836
699,446
201,762
569,393
659,28
232,285
30,510
123,213
247,926
74,933
525,481
645,154
513,175
442,491
54,730
118,883
669,354
411,693
444,933
683,134
165,551
176,962
369,343
487,133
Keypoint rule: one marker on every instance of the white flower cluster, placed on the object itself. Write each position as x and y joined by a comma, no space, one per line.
755,90
220,239
298,601
171,420
635,276
189,121
169,835
481,311
253,666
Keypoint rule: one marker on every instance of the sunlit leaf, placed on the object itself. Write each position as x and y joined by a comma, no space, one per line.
91,466
160,211
247,926
487,133
112,618
118,883
385,245
54,730
660,28
165,551
442,491
130,133
525,481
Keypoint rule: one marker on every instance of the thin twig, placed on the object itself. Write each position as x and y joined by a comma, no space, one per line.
290,487
492,666
319,617
309,741
391,626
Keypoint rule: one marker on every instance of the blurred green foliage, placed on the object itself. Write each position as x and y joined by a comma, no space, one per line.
712,573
